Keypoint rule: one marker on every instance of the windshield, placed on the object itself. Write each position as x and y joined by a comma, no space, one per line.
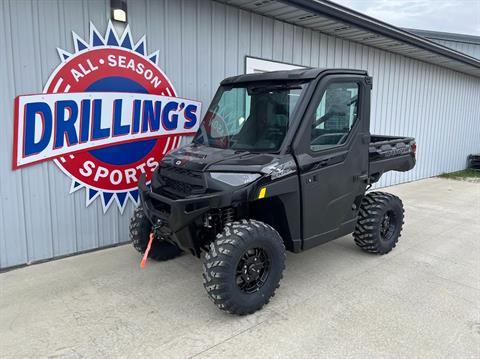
253,118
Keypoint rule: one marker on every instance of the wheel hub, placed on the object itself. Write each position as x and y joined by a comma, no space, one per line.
252,270
387,227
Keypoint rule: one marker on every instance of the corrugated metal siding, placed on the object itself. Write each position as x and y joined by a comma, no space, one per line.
200,43
465,47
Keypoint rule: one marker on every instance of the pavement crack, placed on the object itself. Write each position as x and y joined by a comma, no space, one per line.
230,338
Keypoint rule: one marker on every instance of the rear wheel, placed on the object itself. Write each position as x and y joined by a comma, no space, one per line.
379,223
140,228
244,266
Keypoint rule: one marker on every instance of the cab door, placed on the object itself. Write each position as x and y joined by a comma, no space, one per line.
331,148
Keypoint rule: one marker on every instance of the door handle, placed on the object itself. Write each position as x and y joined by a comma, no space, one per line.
361,177
319,164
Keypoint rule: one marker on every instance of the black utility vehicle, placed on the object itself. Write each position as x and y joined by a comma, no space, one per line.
282,161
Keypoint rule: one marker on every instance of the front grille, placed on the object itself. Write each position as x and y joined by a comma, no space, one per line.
182,188
180,182
169,171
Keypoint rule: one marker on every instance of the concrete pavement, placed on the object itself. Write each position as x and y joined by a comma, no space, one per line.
421,300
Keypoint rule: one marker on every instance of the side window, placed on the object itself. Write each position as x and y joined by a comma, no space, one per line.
335,115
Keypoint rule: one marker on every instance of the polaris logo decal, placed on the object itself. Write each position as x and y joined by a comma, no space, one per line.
106,115
397,151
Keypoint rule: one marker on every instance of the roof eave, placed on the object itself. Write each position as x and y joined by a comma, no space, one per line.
346,15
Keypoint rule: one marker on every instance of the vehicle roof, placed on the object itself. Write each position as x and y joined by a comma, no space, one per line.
290,75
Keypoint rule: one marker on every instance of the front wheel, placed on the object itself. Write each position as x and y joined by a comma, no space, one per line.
140,228
244,266
379,223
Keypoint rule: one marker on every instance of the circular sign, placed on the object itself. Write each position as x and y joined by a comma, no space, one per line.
112,64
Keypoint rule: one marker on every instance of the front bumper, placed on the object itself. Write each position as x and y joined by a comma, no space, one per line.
175,217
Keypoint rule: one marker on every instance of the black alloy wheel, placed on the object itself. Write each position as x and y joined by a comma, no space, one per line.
244,266
379,222
388,226
252,270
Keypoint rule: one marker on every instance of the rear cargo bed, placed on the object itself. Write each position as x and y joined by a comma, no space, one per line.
387,153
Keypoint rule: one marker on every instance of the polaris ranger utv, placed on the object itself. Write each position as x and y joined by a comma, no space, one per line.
281,161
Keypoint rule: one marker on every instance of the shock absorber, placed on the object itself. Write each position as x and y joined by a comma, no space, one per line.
228,215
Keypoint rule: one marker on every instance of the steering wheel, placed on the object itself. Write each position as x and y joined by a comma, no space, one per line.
216,129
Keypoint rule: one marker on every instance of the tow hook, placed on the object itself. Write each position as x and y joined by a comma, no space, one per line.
149,246
155,232
145,255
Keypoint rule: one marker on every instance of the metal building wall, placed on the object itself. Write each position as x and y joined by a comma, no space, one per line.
200,43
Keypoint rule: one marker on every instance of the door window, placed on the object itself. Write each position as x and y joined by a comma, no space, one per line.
335,116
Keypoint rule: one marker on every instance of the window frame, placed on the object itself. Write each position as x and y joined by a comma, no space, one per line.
302,138
318,100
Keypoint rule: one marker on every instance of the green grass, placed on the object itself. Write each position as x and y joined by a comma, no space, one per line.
468,173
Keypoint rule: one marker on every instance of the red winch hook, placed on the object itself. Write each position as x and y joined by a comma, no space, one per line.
145,255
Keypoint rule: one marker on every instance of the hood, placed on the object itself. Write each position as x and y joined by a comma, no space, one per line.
198,157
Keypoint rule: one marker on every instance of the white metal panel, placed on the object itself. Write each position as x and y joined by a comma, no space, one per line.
254,65
200,43
13,240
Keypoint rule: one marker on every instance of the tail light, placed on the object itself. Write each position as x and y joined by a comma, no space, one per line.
414,149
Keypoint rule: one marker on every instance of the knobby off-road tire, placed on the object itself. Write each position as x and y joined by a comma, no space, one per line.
246,249
379,223
140,228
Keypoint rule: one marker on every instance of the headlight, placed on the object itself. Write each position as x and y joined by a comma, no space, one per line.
234,179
